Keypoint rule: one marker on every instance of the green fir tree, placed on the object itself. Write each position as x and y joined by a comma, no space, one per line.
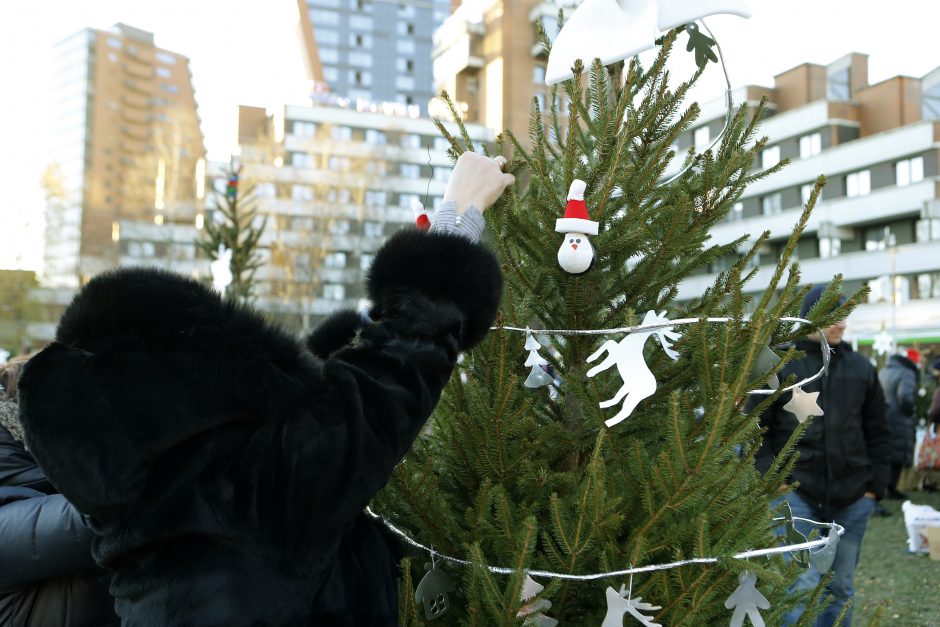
525,479
240,231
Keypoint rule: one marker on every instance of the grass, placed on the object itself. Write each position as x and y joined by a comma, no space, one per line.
903,587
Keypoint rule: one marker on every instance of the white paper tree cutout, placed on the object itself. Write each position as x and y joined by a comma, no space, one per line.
746,600
803,405
627,354
612,30
533,608
537,376
221,269
620,603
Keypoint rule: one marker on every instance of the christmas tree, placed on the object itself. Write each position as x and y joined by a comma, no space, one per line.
234,237
515,479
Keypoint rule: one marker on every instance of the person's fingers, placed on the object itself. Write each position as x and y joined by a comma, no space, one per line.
508,179
500,160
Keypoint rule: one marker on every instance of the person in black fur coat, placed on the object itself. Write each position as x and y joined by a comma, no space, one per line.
224,466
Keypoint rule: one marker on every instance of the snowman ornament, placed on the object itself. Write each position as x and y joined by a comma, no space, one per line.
576,255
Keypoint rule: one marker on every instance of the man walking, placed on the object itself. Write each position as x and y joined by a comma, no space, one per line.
842,467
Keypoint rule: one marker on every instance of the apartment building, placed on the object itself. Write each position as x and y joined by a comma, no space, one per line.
372,50
333,183
878,220
487,57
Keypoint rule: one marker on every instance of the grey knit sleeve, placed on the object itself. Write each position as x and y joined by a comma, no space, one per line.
469,225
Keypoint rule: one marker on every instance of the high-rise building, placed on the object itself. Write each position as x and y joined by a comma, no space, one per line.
333,183
372,50
488,58
126,154
877,222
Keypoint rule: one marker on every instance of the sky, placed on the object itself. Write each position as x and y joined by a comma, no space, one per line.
247,52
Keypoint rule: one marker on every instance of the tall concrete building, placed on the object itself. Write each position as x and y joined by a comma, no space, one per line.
372,50
878,220
333,183
126,150
487,56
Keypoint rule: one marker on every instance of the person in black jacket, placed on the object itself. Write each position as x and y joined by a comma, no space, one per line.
47,575
225,466
899,379
842,468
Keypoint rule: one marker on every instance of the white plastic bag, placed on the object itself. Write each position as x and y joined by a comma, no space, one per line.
917,518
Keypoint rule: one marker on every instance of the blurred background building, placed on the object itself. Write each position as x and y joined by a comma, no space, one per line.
877,222
127,151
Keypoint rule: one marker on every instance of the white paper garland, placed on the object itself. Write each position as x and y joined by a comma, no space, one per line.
824,346
744,555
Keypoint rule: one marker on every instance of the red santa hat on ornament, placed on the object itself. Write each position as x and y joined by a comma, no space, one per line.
576,218
422,219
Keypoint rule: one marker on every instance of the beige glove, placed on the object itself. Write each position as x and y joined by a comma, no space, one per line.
477,181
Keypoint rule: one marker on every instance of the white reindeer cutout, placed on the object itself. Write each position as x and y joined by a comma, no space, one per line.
221,269
620,603
627,354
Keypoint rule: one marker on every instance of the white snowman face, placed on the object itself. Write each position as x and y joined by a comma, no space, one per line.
576,253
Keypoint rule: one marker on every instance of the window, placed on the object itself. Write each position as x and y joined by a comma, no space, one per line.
441,143
168,88
769,157
329,55
701,137
265,190
408,200
858,183
442,173
365,260
375,137
324,18
379,168
839,87
372,229
405,46
737,212
114,42
167,59
301,192
360,22
331,74
327,37
376,198
302,225
360,59
405,66
909,171
538,74
806,191
540,99
358,40
404,82
334,291
410,170
771,204
879,238
810,145
928,285
829,247
301,160
305,129
162,72
338,164
406,28
358,77
335,260
341,133
411,140
339,227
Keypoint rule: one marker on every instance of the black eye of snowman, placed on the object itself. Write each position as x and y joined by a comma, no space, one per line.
571,241
578,240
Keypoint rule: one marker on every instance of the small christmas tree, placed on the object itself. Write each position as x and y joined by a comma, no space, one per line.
237,235
527,480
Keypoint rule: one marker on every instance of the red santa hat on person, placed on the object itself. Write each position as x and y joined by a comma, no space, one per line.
576,218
